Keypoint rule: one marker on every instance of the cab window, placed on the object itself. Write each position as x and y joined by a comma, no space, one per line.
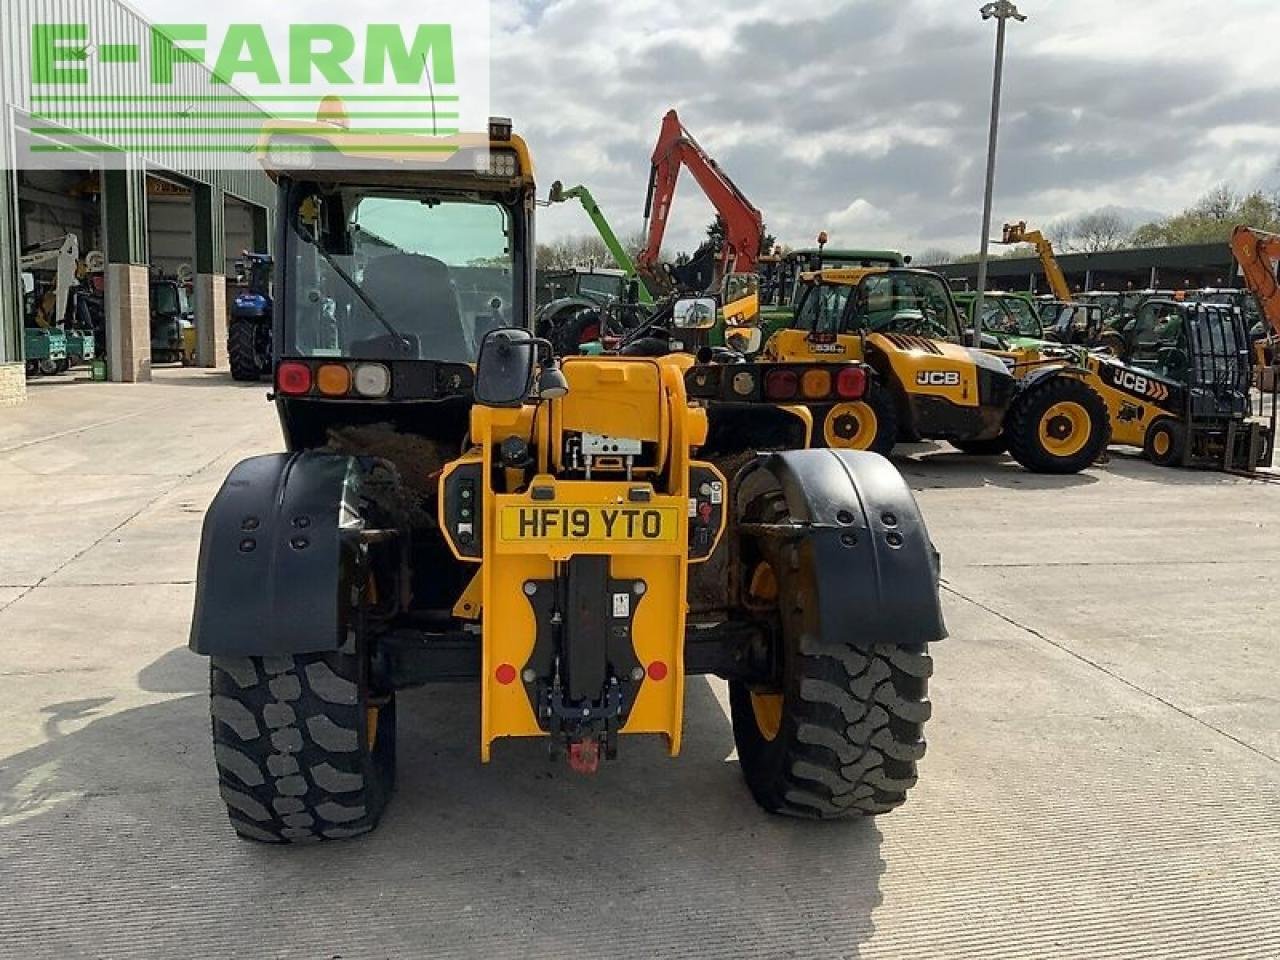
821,308
1158,340
903,302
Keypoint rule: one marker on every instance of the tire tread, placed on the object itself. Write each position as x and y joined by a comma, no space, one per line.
285,784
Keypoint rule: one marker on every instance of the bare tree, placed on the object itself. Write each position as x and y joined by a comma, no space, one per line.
934,257
1092,232
1219,204
574,251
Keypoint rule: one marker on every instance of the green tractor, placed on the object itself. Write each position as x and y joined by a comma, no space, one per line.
1009,320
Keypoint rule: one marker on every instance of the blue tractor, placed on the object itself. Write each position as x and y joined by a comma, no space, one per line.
249,332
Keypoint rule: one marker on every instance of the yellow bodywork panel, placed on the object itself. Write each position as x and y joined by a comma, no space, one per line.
743,311
530,535
1130,417
923,367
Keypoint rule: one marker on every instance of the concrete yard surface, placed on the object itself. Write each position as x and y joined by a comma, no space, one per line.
1103,774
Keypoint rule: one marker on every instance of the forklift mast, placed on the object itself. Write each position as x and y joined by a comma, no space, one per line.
64,254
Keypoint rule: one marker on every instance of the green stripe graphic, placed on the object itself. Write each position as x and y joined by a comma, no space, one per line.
91,116
245,131
222,98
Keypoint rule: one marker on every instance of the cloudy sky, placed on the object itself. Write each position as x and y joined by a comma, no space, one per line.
867,118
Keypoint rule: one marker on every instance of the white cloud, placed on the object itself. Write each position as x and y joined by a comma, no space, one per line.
872,116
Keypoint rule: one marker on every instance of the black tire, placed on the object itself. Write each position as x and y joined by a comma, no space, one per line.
991,447
569,331
1165,442
838,426
291,741
1022,426
1113,344
851,725
241,351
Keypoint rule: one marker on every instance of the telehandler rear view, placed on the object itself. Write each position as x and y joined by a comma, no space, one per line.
456,504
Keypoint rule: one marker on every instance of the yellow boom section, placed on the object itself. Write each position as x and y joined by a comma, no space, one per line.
1018,233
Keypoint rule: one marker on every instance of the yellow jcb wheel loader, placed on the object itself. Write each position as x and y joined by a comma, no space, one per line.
454,504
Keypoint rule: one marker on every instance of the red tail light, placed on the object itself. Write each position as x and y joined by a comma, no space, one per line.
851,383
293,378
781,384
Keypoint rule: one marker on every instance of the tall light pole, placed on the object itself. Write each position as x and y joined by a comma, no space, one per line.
1002,11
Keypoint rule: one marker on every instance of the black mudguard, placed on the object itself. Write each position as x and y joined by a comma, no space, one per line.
272,559
863,542
555,311
1045,374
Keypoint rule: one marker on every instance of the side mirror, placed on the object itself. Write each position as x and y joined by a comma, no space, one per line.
241,272
694,313
504,371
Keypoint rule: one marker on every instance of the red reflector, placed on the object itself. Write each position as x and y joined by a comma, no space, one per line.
657,670
851,383
293,378
505,674
781,384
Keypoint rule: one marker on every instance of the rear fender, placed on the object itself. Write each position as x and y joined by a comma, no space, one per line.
275,544
1045,374
862,543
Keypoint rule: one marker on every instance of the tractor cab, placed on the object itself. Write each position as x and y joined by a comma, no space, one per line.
854,302
389,280
1009,320
1203,347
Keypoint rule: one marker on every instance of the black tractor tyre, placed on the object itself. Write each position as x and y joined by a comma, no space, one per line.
1165,442
1113,344
1023,421
570,330
850,728
304,753
241,351
877,409
991,447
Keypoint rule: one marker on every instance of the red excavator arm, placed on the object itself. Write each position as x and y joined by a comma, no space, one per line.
1257,252
742,221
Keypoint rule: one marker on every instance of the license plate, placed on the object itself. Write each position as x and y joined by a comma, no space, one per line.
589,524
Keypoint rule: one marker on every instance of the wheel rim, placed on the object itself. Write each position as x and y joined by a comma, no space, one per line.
767,707
1161,444
1065,429
851,426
